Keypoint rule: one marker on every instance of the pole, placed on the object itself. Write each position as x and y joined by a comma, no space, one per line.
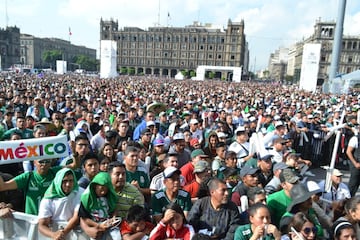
328,85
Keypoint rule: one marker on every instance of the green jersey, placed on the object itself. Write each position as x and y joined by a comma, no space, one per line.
34,186
140,176
159,201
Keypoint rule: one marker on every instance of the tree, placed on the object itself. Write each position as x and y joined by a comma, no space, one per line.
50,57
85,62
192,73
211,75
123,70
131,71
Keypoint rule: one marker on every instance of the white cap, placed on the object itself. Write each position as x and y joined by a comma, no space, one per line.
240,129
193,121
150,123
279,123
221,135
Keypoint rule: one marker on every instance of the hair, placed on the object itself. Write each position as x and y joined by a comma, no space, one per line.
88,156
220,144
351,204
253,191
214,183
81,137
176,207
101,154
230,154
200,236
130,149
115,164
339,226
253,209
228,172
137,213
297,221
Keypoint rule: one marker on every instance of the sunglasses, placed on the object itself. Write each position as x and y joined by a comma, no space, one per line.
44,161
308,230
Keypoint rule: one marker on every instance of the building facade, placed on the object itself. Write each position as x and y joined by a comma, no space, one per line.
32,49
9,47
165,51
324,33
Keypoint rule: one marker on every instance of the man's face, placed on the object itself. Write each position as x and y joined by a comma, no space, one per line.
180,145
150,117
220,151
91,167
220,194
42,166
131,160
173,183
82,147
20,123
118,177
265,165
69,125
250,180
173,161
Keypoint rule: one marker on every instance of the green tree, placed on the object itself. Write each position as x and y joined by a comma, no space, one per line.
50,57
192,73
211,75
185,73
131,70
85,62
123,70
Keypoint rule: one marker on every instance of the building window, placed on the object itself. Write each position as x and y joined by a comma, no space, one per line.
349,45
165,54
219,56
354,45
219,48
210,47
232,57
350,59
201,47
210,55
222,40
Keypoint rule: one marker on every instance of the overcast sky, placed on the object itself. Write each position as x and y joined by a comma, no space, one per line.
269,24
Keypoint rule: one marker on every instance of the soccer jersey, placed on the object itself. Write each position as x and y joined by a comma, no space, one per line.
140,176
34,186
159,201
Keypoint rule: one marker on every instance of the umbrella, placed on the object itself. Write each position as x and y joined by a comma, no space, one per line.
156,108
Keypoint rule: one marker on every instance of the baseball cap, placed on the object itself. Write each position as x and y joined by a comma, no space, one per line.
145,131
150,123
158,142
221,135
280,166
279,124
247,170
313,187
287,175
193,121
178,136
194,141
337,172
162,114
201,166
111,134
170,171
265,157
240,129
198,152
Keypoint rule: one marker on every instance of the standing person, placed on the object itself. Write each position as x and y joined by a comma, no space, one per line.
353,153
61,202
215,214
260,226
172,225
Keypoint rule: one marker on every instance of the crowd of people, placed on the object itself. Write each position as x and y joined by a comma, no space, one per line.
155,158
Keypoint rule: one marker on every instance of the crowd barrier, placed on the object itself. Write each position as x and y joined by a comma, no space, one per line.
25,226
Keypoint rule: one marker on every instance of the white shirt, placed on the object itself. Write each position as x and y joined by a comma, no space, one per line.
240,151
340,193
60,209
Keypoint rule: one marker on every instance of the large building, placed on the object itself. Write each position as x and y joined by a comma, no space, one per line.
32,49
165,51
9,47
324,34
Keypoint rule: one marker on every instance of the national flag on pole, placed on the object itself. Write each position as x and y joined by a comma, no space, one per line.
70,33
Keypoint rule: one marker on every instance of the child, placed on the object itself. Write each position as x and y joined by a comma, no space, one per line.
137,224
97,207
172,225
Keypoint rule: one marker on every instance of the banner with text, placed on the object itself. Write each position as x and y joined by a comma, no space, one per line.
310,66
33,149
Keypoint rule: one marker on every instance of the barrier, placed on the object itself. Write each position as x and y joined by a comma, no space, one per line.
25,226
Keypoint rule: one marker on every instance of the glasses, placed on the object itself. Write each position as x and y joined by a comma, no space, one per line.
44,161
308,230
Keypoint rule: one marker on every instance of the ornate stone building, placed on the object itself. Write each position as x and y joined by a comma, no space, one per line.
32,49
9,47
165,51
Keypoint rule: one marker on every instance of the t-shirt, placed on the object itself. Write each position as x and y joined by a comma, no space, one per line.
98,215
159,201
192,188
34,186
140,176
277,203
60,209
128,197
244,233
187,171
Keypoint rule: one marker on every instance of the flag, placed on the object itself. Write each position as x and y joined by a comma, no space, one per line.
70,33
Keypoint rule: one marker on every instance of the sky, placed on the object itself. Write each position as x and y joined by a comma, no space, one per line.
269,24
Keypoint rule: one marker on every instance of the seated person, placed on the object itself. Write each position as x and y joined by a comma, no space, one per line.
91,167
171,193
172,225
202,172
98,203
301,227
61,202
260,226
137,224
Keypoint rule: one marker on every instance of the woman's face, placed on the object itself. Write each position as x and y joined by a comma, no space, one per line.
308,231
355,214
177,221
261,217
108,151
347,234
104,165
